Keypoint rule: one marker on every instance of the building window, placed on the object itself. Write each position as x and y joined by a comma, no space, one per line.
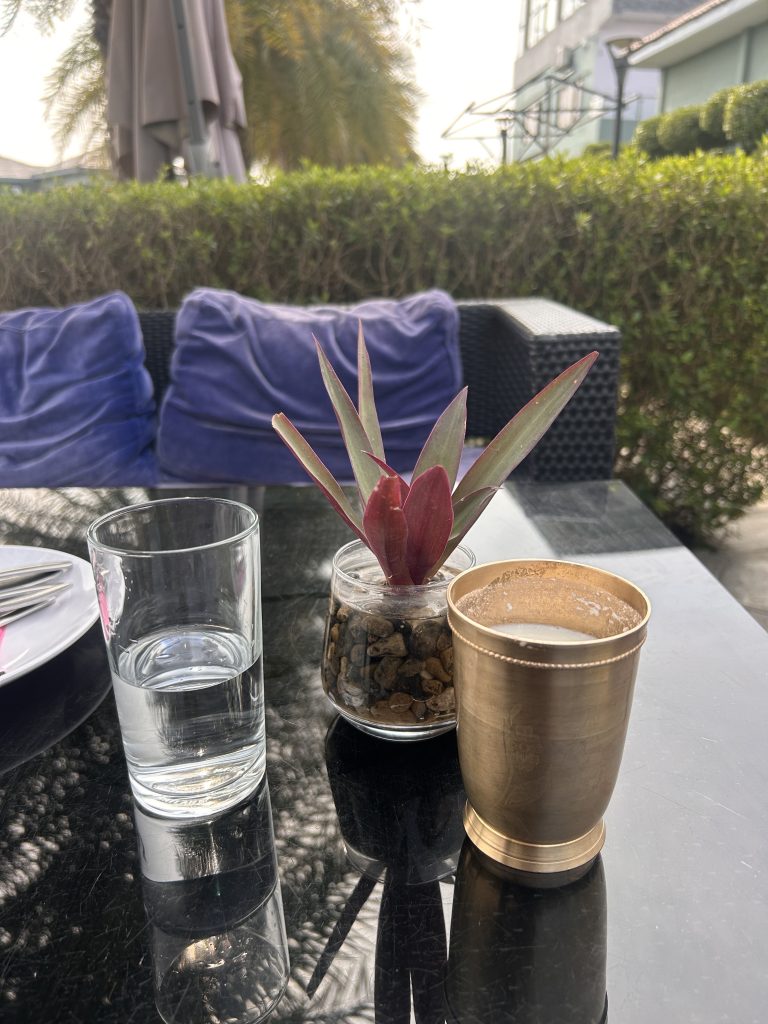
569,7
531,121
568,106
542,18
543,15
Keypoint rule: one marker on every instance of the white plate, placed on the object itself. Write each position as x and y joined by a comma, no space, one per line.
35,639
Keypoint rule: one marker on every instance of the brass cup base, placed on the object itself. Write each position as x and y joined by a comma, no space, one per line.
541,865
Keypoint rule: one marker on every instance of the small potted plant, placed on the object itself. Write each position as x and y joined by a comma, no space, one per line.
388,658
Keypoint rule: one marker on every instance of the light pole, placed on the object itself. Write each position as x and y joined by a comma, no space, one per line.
618,51
199,141
504,123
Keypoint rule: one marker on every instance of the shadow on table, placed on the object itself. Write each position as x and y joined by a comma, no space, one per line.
516,955
43,706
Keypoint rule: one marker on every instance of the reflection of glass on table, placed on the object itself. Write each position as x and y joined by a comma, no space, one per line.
212,896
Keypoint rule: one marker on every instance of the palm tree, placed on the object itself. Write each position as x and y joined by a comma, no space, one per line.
325,81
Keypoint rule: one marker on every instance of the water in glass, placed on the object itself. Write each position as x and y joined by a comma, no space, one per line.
192,717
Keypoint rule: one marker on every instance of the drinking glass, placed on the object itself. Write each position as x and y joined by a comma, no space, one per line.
178,590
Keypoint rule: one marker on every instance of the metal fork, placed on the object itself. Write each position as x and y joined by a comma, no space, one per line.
17,598
23,574
6,620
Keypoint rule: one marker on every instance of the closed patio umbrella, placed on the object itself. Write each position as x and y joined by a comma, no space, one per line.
173,89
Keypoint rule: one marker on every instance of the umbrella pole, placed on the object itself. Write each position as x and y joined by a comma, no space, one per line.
199,148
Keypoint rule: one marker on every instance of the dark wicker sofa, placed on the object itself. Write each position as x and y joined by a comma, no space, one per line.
509,349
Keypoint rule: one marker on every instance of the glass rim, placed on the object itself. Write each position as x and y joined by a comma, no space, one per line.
389,588
95,544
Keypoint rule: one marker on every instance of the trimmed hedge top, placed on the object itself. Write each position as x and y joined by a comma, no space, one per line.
674,253
737,115
711,116
745,117
679,131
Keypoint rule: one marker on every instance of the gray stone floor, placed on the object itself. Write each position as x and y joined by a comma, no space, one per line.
741,561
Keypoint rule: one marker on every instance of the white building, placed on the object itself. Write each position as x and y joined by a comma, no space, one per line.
568,37
718,44
21,177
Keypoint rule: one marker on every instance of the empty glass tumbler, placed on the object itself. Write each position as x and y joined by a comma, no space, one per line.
178,589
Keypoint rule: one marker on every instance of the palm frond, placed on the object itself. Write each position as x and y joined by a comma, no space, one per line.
44,12
325,82
75,97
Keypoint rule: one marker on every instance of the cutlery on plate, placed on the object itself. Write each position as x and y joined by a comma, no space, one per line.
15,599
6,620
21,574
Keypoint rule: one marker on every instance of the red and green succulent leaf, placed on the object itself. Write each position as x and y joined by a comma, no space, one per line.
386,530
444,445
466,512
356,440
518,437
366,404
429,517
318,471
413,530
404,488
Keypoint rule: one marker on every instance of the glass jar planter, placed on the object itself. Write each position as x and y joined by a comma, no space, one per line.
388,651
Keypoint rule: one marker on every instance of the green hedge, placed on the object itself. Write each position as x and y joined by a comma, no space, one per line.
745,119
673,252
647,137
738,114
711,116
679,133
601,149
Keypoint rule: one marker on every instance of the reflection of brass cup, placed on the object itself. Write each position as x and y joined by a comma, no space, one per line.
525,956
542,723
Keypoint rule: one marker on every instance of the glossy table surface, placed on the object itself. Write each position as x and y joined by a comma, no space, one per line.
391,915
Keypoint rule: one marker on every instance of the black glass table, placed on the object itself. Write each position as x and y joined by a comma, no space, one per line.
391,915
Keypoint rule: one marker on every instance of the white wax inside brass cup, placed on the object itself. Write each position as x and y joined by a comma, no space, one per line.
541,610
540,632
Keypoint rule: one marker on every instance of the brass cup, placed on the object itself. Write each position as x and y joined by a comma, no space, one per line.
542,724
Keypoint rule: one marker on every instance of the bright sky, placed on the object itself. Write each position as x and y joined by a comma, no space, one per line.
26,58
464,53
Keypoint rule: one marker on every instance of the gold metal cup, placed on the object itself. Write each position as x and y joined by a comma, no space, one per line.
542,724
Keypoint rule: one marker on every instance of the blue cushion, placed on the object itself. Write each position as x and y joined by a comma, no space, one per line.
76,405
237,362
